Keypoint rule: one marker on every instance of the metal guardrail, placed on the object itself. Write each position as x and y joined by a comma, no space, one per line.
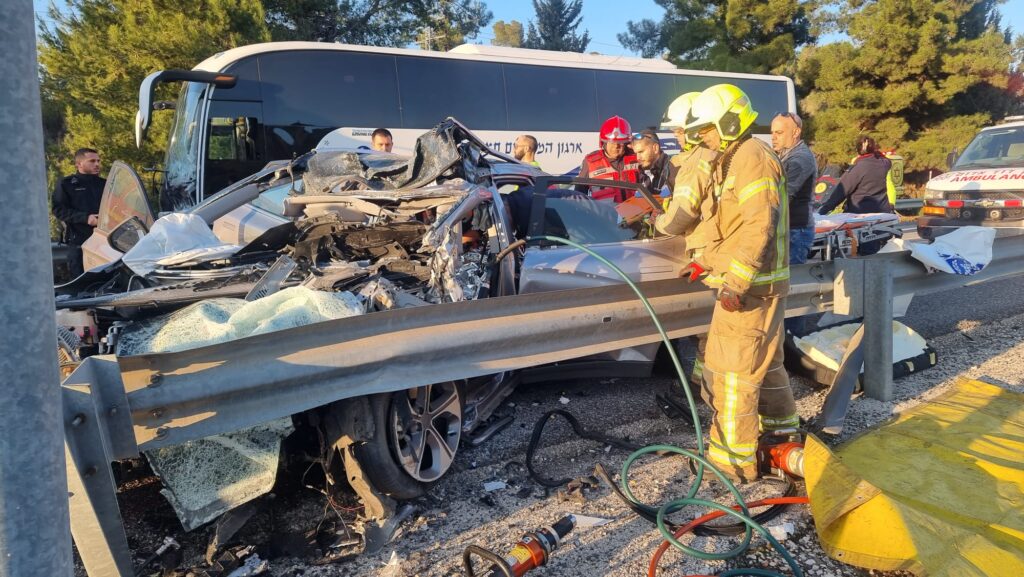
116,407
909,203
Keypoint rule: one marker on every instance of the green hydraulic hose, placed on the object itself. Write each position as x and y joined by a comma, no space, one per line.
690,498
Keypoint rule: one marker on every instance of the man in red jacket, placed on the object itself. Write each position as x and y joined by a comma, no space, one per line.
613,161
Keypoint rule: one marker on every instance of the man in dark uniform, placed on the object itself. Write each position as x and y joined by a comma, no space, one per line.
76,203
656,168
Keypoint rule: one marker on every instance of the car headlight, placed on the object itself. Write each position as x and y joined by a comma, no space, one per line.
932,194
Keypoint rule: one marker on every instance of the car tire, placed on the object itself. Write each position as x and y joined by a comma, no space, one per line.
412,438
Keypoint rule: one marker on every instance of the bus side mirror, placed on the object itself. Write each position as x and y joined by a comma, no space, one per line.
951,158
142,115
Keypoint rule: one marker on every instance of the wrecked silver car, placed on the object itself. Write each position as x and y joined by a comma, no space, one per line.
344,233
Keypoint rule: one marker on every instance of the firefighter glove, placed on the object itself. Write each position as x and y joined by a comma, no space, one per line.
693,271
730,300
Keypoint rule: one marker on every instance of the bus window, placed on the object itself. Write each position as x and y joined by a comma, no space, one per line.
234,145
768,97
638,97
550,99
329,89
433,89
247,86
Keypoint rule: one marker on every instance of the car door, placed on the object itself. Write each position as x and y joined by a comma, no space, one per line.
601,226
124,214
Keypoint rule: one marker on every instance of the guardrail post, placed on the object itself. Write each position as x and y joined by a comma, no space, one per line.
878,295
34,534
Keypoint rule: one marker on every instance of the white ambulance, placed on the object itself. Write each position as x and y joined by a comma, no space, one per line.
984,186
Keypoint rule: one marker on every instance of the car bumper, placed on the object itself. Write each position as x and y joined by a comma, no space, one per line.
932,227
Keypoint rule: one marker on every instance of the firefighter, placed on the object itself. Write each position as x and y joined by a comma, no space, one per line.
613,161
747,259
691,201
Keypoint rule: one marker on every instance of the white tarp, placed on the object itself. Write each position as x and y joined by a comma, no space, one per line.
965,251
174,238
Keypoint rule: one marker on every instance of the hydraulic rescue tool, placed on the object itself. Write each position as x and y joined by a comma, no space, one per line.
782,451
532,551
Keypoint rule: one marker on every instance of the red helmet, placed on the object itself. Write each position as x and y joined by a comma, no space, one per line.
616,129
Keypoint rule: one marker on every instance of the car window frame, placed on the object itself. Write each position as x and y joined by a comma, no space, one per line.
538,205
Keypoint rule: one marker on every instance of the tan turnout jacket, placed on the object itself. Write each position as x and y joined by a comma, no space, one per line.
748,234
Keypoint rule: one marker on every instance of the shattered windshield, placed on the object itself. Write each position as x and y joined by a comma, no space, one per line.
181,162
997,148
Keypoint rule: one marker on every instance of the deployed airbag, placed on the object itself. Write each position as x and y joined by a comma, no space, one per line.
177,237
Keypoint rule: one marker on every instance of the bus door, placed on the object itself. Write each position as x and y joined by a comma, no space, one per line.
235,144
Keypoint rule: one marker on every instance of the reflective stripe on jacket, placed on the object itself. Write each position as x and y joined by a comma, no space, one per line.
597,165
748,237
691,203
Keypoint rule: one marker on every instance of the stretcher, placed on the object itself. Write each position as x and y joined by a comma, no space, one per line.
839,235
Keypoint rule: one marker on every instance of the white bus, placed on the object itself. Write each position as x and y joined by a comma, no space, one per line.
241,108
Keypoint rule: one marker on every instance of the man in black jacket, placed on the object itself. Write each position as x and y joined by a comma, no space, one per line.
656,168
76,203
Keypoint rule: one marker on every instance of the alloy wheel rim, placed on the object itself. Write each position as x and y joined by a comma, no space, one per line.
426,424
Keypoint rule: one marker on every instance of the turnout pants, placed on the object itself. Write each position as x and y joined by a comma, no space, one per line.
745,383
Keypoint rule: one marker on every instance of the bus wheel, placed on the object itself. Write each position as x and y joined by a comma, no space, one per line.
415,438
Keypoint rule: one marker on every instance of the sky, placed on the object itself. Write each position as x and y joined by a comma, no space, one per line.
604,19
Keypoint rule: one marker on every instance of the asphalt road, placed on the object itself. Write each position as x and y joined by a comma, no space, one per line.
937,314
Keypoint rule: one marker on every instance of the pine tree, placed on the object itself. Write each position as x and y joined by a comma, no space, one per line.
508,34
96,54
727,35
312,20
447,23
918,75
555,26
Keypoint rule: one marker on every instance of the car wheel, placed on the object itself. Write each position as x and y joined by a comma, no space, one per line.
415,437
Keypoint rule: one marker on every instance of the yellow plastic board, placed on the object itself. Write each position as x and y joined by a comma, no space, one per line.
938,491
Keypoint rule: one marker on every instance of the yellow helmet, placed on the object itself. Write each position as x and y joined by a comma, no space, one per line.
725,107
677,114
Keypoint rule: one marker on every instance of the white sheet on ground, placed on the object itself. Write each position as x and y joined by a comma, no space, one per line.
965,251
827,346
172,235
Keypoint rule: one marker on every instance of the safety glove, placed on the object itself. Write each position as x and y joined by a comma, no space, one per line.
693,272
730,300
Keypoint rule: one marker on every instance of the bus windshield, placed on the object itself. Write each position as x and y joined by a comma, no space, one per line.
183,149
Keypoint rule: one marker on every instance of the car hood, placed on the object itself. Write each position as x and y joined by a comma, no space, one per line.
981,180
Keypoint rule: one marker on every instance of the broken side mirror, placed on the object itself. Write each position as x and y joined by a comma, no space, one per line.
951,158
127,234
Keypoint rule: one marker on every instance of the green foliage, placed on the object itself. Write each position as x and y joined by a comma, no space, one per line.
98,52
918,75
377,22
555,26
510,34
726,35
314,20
447,23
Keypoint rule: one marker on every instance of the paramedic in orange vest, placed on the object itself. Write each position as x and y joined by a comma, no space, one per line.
613,161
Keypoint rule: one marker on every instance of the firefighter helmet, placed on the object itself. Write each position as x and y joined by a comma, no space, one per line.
726,108
616,129
678,113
